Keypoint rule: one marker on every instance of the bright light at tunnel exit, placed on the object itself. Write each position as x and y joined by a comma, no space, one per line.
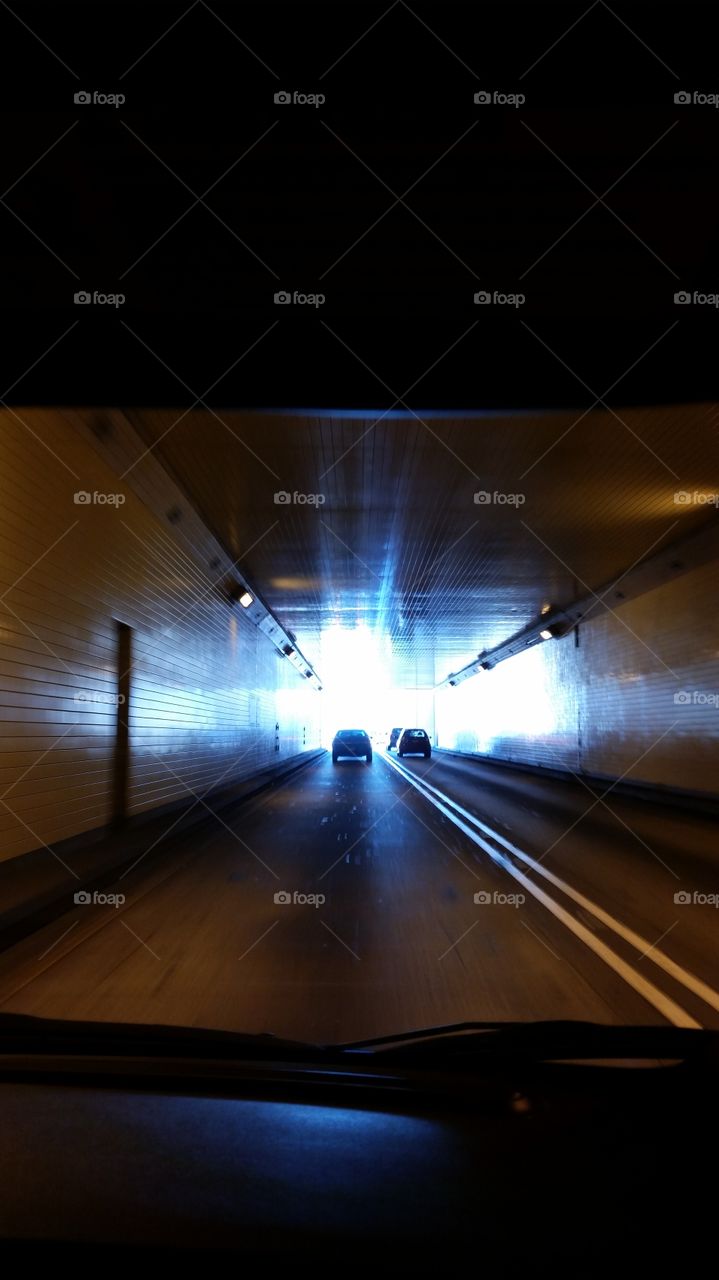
358,693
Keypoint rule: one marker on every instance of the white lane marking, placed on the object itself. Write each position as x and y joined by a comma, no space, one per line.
642,945
652,994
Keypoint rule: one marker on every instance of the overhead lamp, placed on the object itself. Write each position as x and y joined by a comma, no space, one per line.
556,630
546,608
236,591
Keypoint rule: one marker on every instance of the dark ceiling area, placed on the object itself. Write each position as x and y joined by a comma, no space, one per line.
352,521
584,187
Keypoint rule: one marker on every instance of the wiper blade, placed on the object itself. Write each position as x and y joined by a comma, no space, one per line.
456,1046
23,1033
556,1040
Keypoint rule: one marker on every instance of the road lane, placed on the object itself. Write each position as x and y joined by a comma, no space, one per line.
629,856
398,941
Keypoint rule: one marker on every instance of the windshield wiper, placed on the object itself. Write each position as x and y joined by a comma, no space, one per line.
462,1045
546,1040
23,1033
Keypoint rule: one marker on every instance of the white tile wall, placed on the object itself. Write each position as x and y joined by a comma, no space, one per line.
208,687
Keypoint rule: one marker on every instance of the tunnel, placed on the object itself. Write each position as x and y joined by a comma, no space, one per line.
359,659
196,603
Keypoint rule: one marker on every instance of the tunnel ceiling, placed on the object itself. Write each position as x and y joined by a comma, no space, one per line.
396,540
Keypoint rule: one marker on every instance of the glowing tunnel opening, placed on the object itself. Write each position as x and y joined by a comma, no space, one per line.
358,690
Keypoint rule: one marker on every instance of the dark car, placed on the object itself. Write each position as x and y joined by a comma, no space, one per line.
414,742
351,742
393,738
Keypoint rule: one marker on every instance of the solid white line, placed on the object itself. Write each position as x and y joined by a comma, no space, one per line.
642,945
652,994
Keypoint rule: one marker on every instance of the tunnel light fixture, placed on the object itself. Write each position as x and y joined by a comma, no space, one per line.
554,621
556,630
238,591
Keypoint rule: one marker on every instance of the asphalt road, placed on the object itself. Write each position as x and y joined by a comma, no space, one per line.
576,916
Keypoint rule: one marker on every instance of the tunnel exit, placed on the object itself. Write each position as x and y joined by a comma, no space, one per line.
358,670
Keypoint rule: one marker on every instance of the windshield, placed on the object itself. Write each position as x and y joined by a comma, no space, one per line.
180,845
331,399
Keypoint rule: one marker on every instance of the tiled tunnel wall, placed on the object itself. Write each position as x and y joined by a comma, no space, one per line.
633,695
208,688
